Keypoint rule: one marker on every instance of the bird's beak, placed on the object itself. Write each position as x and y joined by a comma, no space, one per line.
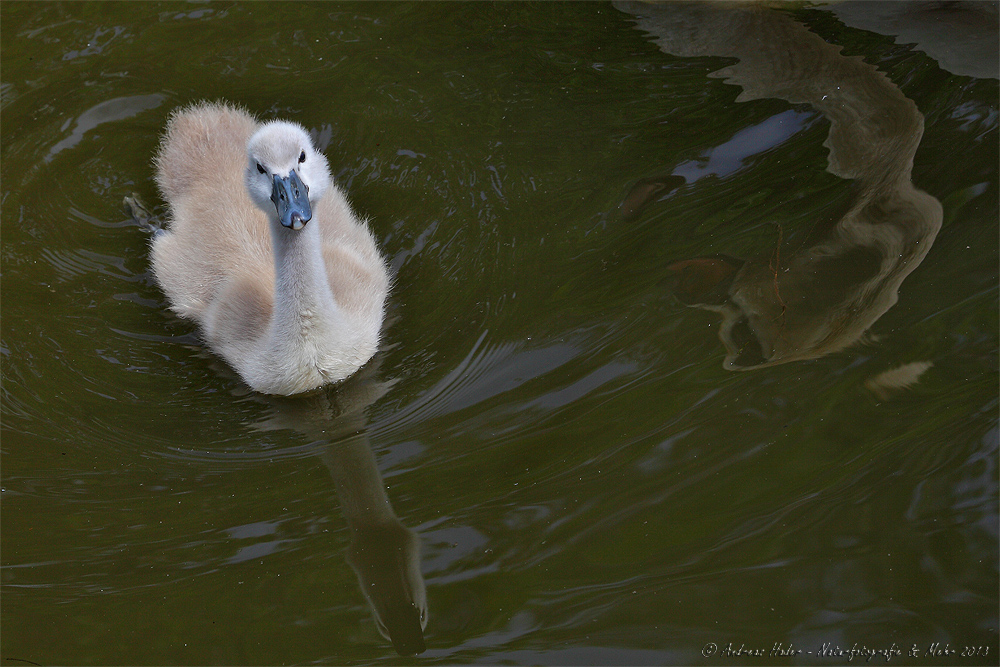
291,199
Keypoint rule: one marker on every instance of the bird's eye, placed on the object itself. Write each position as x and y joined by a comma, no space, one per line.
261,169
302,157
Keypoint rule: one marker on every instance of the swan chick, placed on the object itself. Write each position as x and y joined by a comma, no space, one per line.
263,251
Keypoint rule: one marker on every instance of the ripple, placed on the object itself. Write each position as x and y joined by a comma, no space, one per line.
487,370
111,111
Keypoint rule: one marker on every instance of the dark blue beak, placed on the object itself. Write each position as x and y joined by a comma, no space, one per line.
291,199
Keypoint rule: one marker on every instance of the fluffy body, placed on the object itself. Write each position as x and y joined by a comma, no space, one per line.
290,310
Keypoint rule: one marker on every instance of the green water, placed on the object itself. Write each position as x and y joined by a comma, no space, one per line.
550,412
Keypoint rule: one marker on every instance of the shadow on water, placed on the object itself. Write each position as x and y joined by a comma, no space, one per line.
821,297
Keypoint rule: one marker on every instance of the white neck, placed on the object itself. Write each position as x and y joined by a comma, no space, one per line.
302,296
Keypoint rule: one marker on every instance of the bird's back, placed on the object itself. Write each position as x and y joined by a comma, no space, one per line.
215,231
200,141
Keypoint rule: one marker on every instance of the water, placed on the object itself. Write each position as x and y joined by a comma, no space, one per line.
692,344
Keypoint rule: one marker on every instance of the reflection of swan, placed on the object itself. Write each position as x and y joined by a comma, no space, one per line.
823,297
384,554
264,252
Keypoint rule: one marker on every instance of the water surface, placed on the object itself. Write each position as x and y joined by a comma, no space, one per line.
693,339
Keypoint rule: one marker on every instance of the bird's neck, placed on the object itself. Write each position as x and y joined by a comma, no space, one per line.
302,296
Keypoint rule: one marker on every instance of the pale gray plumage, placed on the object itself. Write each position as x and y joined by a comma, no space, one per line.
290,306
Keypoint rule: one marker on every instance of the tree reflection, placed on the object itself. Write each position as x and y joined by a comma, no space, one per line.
823,296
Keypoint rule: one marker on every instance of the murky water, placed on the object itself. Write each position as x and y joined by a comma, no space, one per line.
692,342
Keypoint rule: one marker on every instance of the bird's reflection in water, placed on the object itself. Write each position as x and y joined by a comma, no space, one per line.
383,552
822,297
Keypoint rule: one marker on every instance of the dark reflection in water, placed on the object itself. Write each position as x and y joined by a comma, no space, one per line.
821,297
384,554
